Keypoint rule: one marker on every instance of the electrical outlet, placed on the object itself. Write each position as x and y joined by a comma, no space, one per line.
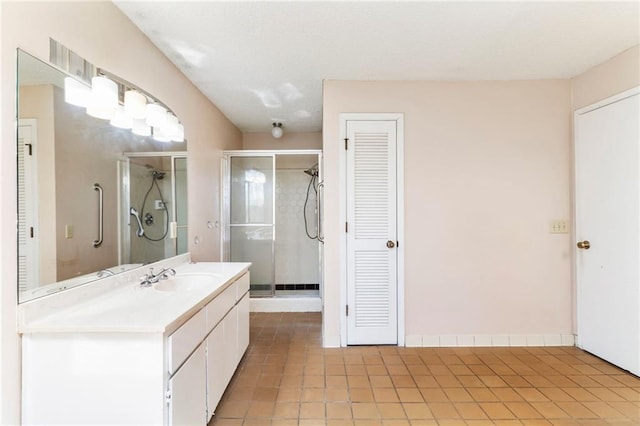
559,226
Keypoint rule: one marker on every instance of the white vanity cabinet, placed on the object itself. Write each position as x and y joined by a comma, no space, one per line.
137,375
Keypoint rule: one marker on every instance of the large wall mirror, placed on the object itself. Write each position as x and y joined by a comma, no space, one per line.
93,199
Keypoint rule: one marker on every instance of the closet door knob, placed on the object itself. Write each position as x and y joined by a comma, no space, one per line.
584,244
391,244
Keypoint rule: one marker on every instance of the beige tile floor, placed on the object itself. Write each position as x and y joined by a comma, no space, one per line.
287,378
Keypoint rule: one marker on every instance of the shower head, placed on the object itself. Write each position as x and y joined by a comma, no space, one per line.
157,175
313,171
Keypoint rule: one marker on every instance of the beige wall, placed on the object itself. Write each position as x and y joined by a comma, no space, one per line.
288,141
99,32
620,73
487,166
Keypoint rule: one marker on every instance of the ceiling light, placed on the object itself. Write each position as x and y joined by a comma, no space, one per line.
104,98
135,104
277,131
76,93
121,119
156,115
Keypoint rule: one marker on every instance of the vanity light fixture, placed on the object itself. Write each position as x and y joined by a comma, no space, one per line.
160,135
121,119
277,131
76,93
156,115
141,128
104,98
135,104
179,135
109,97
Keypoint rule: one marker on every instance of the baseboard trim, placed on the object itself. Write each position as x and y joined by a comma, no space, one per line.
489,340
285,304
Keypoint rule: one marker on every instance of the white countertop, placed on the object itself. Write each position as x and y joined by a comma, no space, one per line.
131,308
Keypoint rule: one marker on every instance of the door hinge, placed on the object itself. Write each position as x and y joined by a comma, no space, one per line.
346,144
347,310
346,227
31,231
167,397
30,148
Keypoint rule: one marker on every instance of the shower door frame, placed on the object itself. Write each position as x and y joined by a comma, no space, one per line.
225,205
124,199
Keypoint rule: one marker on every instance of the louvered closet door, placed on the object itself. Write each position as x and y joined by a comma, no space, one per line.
28,275
371,218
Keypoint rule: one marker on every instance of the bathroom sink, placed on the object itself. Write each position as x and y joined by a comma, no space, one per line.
186,282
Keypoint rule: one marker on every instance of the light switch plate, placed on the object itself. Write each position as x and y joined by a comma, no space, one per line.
559,226
68,231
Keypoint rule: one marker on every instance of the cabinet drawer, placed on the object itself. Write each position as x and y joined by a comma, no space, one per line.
185,339
242,286
218,307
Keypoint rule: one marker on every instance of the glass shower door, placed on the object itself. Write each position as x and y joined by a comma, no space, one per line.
251,226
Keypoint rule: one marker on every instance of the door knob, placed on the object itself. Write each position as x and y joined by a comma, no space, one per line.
584,244
391,244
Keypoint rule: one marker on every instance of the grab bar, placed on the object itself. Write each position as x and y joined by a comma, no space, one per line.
318,207
97,187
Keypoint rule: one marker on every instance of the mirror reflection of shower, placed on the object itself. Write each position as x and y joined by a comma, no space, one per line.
149,220
154,210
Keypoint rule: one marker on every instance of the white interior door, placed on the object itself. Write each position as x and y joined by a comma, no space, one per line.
372,306
608,217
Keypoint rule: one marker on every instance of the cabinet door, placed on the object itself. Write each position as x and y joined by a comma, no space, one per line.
243,326
216,373
230,323
188,387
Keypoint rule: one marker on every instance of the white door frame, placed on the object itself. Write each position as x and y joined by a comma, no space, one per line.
399,119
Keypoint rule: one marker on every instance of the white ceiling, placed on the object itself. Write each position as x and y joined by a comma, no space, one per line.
264,61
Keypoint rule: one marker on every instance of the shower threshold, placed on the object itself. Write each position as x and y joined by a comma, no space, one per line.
291,303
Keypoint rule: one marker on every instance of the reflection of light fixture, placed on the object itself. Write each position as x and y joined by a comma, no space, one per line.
104,98
156,115
76,93
135,104
107,96
179,135
171,124
141,128
160,135
277,131
121,119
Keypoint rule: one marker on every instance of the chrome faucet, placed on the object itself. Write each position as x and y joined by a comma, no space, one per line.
147,279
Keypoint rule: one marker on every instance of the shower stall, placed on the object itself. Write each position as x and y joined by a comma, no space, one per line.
153,205
272,218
